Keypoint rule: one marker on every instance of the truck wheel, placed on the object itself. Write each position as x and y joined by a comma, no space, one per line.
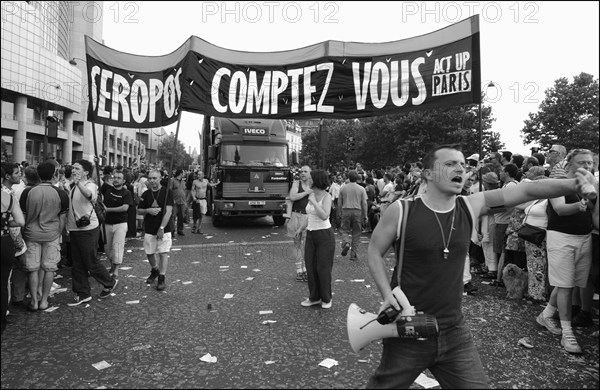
217,221
278,220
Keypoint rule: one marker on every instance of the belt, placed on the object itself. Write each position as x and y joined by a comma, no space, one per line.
200,198
297,211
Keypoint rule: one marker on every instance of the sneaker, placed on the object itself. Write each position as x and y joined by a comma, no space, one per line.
551,324
307,302
153,276
193,229
582,319
304,276
570,343
326,305
299,277
469,288
161,283
105,293
180,233
345,248
79,300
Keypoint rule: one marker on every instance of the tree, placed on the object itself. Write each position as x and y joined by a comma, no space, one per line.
391,140
181,160
567,116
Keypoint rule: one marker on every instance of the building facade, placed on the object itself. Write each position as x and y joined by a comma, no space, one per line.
43,79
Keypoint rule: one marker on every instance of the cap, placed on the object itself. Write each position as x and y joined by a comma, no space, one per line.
474,156
490,178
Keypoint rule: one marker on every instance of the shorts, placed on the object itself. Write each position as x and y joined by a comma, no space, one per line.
44,255
298,221
199,208
569,259
152,245
499,240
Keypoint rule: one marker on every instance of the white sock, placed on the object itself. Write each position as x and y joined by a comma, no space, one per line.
566,327
550,311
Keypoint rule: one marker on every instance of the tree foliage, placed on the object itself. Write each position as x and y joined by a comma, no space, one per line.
567,116
181,160
391,140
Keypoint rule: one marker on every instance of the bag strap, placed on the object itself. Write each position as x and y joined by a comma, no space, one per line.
529,209
404,206
73,206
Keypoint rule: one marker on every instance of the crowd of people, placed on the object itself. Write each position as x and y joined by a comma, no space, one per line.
478,204
560,270
56,216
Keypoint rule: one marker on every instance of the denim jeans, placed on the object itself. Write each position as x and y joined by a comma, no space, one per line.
83,248
319,252
177,214
351,228
451,357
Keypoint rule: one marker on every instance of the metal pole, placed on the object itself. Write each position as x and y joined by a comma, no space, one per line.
174,144
480,147
46,140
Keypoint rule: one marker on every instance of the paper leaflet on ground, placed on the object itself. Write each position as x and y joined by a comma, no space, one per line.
101,365
228,296
328,363
270,362
265,312
208,358
124,268
426,381
188,282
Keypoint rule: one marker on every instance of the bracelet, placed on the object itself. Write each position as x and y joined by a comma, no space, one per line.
162,228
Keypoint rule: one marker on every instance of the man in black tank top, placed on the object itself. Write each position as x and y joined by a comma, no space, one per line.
437,237
296,226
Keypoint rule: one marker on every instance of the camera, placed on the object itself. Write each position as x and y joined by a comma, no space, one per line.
83,221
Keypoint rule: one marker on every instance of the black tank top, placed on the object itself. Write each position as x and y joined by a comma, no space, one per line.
431,283
300,205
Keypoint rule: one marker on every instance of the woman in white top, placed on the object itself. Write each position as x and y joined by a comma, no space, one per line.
320,242
538,288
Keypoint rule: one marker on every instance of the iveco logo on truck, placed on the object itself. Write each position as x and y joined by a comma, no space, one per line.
255,131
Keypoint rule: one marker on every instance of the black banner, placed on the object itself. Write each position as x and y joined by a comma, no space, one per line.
329,80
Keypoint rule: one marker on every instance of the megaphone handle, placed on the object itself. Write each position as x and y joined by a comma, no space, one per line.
407,309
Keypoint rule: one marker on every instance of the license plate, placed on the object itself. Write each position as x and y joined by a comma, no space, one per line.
257,203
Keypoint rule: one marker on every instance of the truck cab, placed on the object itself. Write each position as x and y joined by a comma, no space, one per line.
250,160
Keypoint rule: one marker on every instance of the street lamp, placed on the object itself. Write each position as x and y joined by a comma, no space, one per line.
483,91
51,125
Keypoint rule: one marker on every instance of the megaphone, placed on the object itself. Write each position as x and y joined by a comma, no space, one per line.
365,327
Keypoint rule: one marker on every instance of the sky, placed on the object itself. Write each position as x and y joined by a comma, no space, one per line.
525,46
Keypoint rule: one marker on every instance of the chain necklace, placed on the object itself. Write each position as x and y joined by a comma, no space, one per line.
446,245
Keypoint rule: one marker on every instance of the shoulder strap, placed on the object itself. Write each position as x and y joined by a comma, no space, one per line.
10,205
402,218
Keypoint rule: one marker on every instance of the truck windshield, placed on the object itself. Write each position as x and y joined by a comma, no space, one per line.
256,155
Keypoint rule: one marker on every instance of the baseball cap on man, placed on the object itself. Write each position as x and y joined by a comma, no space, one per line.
474,156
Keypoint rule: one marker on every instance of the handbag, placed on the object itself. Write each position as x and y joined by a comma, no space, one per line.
533,234
15,234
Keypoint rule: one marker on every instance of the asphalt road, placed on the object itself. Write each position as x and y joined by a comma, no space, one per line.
232,294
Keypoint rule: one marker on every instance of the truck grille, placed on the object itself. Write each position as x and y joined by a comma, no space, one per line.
240,190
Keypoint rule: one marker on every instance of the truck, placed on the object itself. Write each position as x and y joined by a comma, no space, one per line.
249,159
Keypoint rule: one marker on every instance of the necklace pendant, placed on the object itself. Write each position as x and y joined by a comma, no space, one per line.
446,252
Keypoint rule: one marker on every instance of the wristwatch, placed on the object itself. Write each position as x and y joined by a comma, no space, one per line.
162,228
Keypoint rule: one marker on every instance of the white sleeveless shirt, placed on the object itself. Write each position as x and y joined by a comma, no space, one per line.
314,221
